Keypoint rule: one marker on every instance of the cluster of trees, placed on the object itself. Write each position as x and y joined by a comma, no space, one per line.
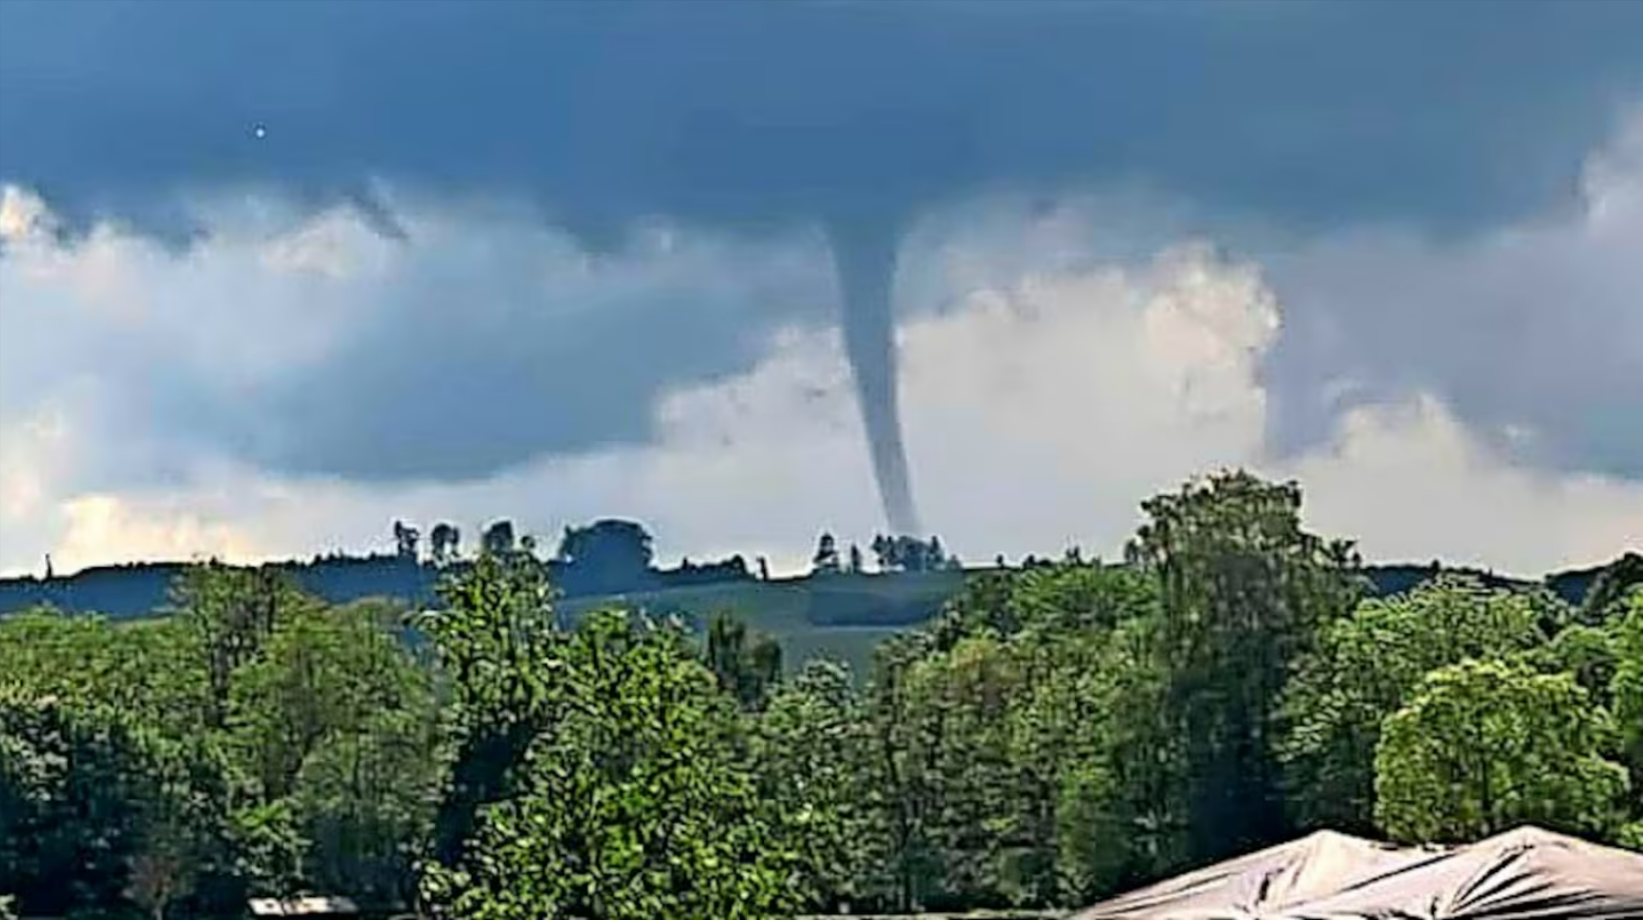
255,741
1058,733
891,554
608,556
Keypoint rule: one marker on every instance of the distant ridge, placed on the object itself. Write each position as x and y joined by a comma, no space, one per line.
139,589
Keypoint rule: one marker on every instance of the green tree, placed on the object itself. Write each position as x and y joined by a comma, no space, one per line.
1244,592
498,538
605,557
406,540
81,799
636,805
496,645
808,753
1487,745
445,542
229,612
1609,590
1096,783
148,669
336,717
1631,836
1013,744
826,559
1626,686
186,861
1587,652
899,736
960,756
135,692
1367,667
747,665
364,803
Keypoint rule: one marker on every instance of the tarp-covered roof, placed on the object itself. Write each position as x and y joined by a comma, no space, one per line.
1526,874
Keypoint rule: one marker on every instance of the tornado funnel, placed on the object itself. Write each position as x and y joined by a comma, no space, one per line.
864,257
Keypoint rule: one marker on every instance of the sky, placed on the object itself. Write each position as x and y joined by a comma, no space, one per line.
274,275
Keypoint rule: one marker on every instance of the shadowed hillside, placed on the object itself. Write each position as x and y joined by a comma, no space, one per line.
842,609
812,609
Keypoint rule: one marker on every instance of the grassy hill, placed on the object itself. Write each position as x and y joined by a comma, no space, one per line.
839,616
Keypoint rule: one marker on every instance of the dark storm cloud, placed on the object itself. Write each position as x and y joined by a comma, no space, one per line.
746,116
735,112
502,377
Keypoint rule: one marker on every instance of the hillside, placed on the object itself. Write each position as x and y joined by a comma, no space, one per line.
838,615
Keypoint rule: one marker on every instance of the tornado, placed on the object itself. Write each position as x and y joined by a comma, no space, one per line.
864,260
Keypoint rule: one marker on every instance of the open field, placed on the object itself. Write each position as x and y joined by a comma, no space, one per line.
840,616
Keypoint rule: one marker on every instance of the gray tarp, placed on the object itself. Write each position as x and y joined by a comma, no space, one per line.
1526,874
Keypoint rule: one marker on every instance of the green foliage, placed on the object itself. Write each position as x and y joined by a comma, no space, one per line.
336,721
810,750
1002,745
1056,733
1631,836
147,671
1608,594
229,611
100,734
1487,745
496,645
606,556
1587,652
313,768
1366,667
268,847
1245,591
634,806
91,808
746,666
1626,686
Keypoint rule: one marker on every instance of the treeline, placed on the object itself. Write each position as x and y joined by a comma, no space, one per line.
608,556
1058,733
412,571
604,557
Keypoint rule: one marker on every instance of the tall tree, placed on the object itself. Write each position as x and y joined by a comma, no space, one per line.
498,538
884,552
495,643
1626,686
606,557
808,752
747,665
230,612
406,539
91,811
336,719
826,559
444,542
1245,590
